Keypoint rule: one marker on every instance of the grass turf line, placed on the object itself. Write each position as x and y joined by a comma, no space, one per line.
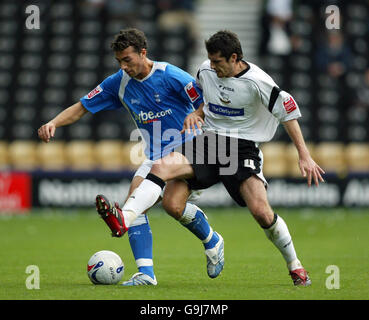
60,242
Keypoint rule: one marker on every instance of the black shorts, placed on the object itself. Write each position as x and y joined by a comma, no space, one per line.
216,158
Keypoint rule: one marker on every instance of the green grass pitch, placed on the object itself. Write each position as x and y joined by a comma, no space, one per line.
60,242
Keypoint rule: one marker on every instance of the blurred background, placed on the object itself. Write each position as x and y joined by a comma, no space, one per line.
44,70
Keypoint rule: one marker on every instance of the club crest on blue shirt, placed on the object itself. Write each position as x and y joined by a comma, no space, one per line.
135,101
157,97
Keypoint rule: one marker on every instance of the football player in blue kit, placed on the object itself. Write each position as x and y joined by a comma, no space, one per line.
158,96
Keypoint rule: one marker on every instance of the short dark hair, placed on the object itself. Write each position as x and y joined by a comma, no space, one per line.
226,42
129,37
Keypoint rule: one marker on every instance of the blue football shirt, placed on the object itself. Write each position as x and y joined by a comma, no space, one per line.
158,104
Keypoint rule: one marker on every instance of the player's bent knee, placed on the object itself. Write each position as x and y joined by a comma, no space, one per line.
173,208
162,170
158,170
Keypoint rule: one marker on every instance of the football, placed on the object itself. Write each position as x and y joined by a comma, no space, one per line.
105,267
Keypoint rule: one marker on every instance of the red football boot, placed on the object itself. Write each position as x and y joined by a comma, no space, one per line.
112,215
300,277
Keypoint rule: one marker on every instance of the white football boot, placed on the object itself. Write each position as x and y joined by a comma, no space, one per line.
140,279
215,258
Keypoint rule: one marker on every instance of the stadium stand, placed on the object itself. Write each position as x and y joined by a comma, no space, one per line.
80,155
275,163
327,101
331,156
109,154
43,71
357,157
23,155
4,156
51,156
132,154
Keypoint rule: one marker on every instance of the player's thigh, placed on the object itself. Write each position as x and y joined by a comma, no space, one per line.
174,165
175,197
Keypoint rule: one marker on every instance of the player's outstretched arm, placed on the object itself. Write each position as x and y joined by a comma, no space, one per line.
195,118
67,116
309,169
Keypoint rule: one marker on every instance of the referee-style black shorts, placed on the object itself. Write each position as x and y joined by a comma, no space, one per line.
216,158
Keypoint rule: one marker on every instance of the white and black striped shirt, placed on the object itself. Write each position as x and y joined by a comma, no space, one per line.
248,106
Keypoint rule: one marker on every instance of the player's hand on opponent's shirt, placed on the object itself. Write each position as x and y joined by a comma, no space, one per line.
193,120
310,170
47,131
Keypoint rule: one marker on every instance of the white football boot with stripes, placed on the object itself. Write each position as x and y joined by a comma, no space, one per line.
140,279
215,258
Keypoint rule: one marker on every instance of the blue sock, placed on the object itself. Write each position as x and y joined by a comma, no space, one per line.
195,221
140,239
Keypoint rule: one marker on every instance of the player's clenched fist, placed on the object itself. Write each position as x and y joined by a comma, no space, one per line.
47,131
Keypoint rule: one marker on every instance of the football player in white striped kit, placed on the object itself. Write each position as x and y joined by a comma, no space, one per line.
242,108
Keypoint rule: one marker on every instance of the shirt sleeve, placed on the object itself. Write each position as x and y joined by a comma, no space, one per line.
198,82
285,107
185,86
279,102
104,96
